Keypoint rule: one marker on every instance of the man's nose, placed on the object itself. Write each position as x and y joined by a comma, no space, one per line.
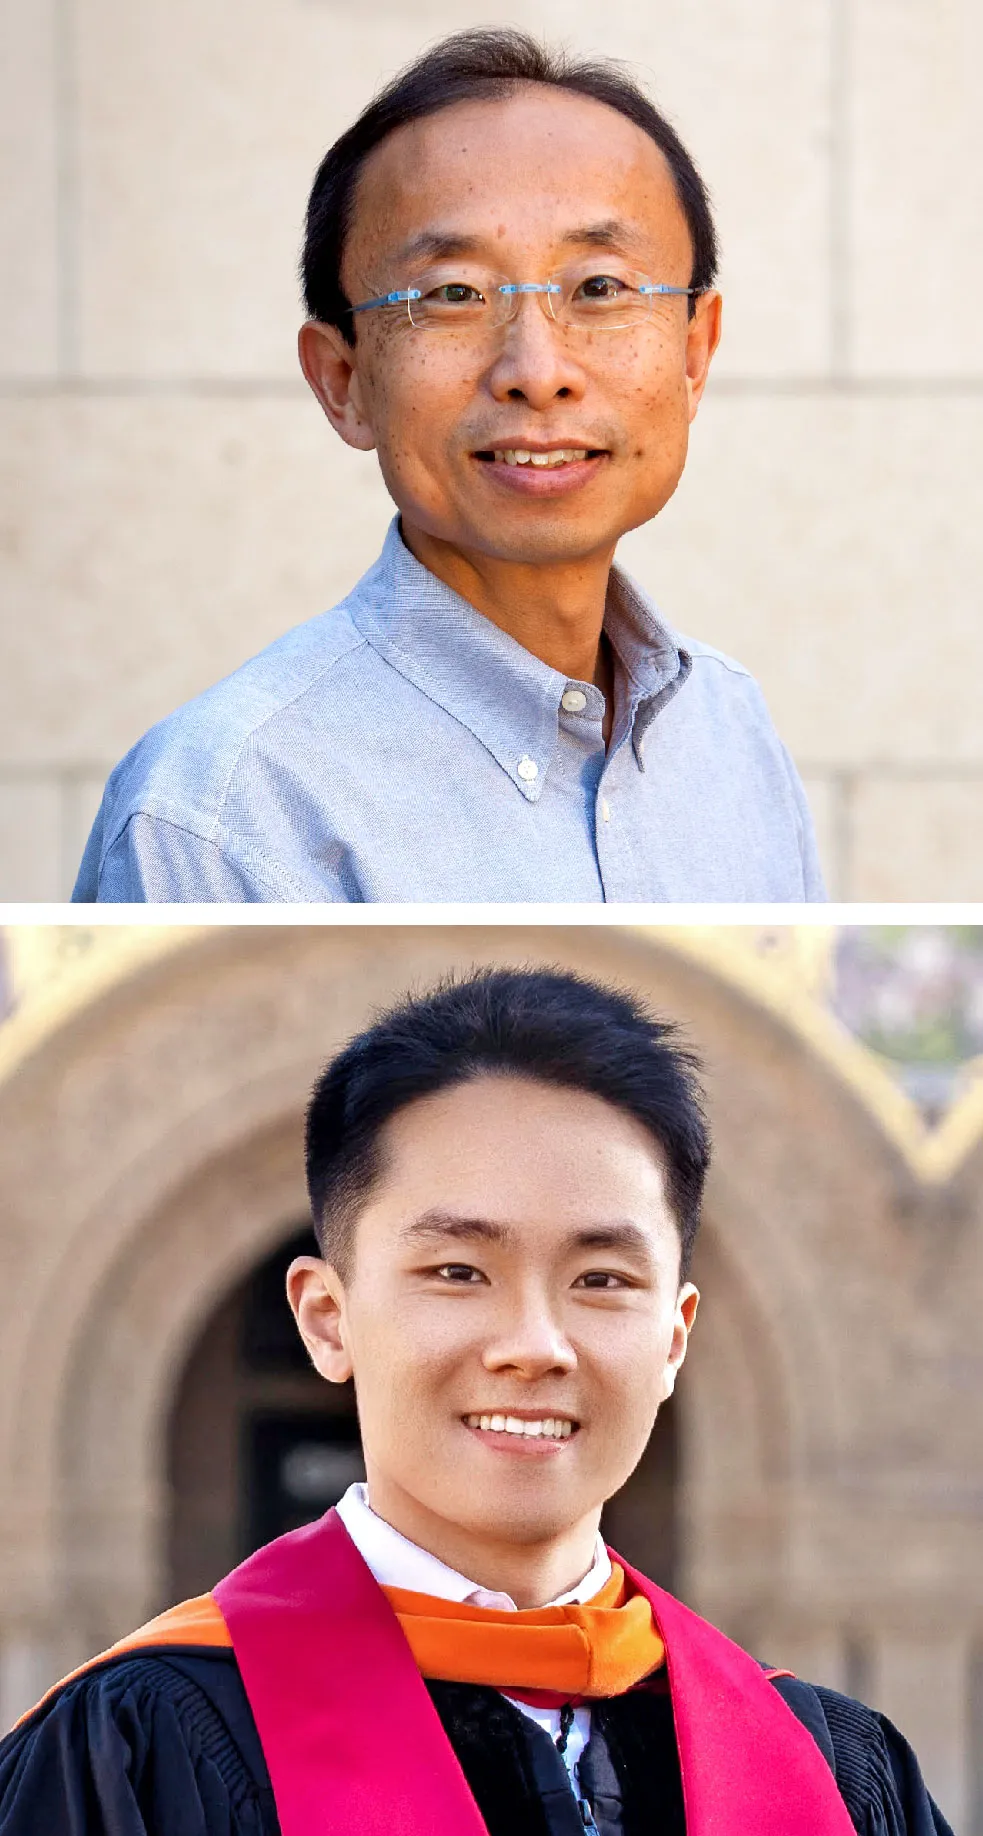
530,1341
534,362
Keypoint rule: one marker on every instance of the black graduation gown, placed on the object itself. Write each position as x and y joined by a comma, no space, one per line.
166,1745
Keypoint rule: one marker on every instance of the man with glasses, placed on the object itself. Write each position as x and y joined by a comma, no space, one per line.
508,271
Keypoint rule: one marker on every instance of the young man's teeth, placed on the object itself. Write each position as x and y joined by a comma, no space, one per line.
555,1427
516,455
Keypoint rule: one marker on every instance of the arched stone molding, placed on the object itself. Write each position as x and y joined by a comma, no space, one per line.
736,1445
150,1149
236,1206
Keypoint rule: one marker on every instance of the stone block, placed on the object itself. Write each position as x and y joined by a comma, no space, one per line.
916,140
922,1685
917,839
155,544
833,544
30,838
201,125
26,1671
749,93
28,190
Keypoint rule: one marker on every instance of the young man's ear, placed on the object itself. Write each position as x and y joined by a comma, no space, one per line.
328,363
687,1301
317,1301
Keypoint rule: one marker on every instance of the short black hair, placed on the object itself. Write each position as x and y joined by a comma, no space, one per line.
479,65
545,1024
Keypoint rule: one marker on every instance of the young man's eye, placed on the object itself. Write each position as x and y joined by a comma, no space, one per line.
602,1280
460,1273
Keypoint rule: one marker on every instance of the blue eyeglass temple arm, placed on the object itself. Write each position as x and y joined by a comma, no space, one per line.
404,294
390,299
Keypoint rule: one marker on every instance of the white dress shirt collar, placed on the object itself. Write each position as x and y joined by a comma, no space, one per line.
396,1562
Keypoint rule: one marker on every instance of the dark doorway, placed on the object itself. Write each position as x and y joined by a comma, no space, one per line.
640,1520
258,1444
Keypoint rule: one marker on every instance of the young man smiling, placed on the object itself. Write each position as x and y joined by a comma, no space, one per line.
506,1179
509,269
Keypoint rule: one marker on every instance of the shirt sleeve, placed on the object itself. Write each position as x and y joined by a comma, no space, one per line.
154,861
814,887
126,1754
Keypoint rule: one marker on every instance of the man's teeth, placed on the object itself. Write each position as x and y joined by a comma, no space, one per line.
555,1426
516,455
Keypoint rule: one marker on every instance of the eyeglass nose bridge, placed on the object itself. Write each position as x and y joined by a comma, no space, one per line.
512,290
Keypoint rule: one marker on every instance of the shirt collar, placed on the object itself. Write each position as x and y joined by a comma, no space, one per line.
396,1562
499,691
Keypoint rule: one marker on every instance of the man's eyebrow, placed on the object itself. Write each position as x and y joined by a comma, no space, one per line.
444,245
439,245
612,233
620,1234
432,1224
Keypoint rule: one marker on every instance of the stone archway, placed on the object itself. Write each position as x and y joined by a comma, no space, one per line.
150,1154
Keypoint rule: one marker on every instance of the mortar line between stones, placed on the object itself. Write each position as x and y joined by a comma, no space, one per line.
840,251
67,866
843,790
67,186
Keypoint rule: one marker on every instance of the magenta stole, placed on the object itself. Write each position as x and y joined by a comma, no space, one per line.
353,1741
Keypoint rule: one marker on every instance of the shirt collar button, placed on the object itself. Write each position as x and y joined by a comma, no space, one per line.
528,770
573,701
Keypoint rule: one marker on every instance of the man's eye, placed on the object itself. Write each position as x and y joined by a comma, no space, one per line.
460,1273
456,293
601,1279
602,287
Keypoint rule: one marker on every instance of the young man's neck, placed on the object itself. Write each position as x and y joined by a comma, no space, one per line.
555,612
532,1574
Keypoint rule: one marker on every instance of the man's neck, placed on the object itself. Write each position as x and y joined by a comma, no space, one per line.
532,1574
556,613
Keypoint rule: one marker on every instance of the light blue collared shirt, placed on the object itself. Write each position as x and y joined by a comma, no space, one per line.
402,748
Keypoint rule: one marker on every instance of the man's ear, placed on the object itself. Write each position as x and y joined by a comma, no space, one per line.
687,1301
317,1301
702,339
328,363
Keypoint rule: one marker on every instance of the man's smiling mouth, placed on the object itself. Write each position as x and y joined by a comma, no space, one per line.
549,457
547,1427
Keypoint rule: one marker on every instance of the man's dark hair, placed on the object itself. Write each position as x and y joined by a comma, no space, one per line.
470,66
557,1028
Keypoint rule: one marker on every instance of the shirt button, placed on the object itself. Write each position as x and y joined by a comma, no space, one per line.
605,810
573,700
527,770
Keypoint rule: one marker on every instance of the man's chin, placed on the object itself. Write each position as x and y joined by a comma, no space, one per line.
525,1529
542,539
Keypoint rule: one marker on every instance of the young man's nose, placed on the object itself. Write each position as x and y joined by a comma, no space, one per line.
534,361
531,1342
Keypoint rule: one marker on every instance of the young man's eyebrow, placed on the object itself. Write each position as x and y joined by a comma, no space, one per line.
620,1234
432,1224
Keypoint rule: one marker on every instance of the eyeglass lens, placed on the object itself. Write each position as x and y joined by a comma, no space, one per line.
587,298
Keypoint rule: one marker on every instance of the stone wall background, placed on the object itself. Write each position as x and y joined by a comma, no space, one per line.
171,498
